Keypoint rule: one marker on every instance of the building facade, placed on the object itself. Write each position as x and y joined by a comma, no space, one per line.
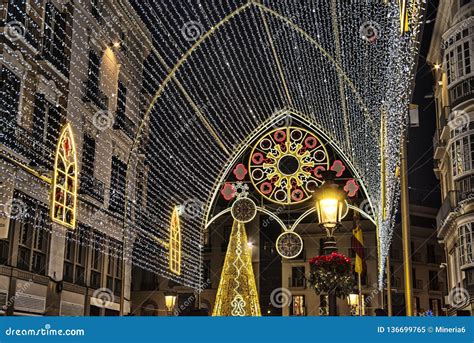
78,63
451,55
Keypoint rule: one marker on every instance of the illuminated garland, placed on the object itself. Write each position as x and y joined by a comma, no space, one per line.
225,68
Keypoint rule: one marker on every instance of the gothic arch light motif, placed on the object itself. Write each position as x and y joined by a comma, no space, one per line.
175,243
64,186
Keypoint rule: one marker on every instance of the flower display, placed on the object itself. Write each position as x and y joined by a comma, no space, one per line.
331,272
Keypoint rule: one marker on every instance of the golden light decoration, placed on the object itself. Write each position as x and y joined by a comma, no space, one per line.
285,165
64,186
237,293
289,244
175,243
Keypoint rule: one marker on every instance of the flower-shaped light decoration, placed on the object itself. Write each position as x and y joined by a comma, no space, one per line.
285,165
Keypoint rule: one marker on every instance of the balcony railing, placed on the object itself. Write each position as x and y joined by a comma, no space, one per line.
451,201
462,91
448,205
92,187
297,282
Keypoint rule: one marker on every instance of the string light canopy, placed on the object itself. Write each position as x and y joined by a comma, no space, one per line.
202,79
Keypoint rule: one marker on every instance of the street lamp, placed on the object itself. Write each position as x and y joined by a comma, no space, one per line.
170,300
331,206
330,203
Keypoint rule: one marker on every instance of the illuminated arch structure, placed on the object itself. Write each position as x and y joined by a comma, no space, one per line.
64,182
228,72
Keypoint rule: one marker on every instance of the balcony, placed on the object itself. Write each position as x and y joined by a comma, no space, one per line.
443,123
92,187
439,146
450,203
462,91
125,124
94,95
296,282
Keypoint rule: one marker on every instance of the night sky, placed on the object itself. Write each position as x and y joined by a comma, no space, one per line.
424,187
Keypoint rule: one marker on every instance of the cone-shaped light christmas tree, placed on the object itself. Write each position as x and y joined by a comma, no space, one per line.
237,292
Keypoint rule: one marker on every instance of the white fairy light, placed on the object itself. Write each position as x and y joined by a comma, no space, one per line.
232,80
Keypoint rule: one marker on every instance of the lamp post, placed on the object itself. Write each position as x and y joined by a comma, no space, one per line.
170,300
331,206
353,301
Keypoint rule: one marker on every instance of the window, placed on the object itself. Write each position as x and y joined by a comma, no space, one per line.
458,59
433,280
465,244
93,92
435,306
10,103
96,10
17,13
207,274
114,266
98,242
46,128
75,255
88,156
417,306
117,186
465,185
298,278
54,38
33,234
121,103
297,307
323,305
462,155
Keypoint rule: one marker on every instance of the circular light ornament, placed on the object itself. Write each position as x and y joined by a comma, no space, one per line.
285,165
243,210
289,244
